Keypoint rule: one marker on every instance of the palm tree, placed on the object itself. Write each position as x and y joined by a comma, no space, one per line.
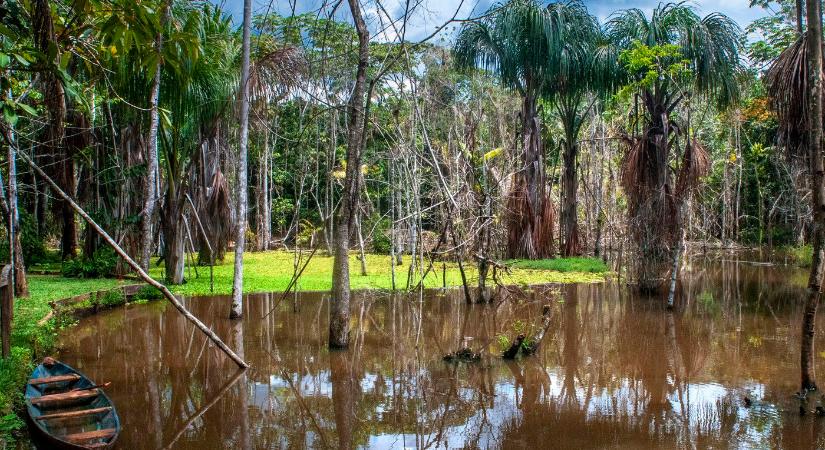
586,70
524,44
196,99
707,50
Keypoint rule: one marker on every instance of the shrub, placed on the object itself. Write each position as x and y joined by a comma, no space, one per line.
113,297
381,238
102,264
14,372
802,255
148,293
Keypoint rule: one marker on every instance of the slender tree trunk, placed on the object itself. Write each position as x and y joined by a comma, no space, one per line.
815,148
21,286
339,309
265,228
150,188
68,241
361,253
240,220
567,221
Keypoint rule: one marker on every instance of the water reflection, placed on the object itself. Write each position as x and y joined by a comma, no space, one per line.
614,371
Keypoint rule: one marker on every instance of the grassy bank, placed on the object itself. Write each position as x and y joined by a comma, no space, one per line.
263,272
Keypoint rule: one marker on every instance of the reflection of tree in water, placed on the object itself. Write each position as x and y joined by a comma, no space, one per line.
612,370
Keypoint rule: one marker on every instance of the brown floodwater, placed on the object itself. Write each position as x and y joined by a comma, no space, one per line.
614,371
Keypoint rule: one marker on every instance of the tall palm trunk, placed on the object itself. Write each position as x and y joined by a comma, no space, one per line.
530,228
815,149
174,251
569,229
240,219
339,309
150,188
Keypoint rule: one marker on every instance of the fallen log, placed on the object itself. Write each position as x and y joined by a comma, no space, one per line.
531,346
134,265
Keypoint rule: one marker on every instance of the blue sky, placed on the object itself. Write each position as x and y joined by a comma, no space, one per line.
435,12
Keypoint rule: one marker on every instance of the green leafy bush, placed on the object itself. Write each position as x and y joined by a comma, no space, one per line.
113,297
148,293
14,372
102,264
381,234
802,255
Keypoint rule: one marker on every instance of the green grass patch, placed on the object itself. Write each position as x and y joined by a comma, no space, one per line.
271,272
565,265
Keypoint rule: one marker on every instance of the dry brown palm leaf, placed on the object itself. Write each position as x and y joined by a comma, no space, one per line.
529,234
519,213
788,93
695,165
273,74
218,215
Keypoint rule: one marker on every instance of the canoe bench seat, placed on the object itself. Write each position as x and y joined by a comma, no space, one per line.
54,379
64,397
74,414
105,433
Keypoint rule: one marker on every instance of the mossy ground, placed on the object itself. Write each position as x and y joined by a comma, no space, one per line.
263,272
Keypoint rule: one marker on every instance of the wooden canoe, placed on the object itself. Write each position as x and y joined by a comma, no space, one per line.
66,410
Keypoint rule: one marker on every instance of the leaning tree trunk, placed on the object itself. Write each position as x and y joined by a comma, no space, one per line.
815,149
530,225
339,309
240,219
569,229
